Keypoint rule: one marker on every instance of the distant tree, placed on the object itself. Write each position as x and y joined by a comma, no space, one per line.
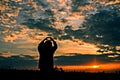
58,69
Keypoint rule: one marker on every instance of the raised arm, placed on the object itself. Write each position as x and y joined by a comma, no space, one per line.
41,43
55,44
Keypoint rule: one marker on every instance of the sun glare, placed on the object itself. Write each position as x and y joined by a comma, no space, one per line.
95,66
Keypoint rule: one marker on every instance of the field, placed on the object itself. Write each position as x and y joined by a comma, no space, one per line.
56,75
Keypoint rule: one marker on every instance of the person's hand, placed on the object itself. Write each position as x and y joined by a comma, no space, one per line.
49,38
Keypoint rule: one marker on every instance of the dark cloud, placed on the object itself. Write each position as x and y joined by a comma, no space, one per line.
80,59
17,62
65,37
43,24
103,27
28,62
76,33
12,3
43,3
77,3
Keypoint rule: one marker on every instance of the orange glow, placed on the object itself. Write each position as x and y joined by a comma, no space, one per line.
110,67
66,46
95,66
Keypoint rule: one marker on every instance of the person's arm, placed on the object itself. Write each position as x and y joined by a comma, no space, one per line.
41,43
55,44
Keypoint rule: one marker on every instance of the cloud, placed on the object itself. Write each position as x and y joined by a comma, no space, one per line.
100,26
17,48
7,54
18,62
47,13
68,46
82,59
39,17
29,61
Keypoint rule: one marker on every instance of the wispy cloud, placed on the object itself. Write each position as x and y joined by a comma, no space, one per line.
68,46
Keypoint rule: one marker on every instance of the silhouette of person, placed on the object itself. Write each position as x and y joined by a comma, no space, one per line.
46,49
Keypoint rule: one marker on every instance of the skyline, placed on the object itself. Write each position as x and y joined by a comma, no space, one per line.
25,23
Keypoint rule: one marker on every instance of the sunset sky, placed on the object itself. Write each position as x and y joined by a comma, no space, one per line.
80,28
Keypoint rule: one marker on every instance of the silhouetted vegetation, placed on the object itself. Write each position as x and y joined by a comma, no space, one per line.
14,74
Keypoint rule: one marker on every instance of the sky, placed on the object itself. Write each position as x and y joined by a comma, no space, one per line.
25,23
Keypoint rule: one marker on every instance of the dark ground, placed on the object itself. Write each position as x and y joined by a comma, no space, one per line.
56,75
